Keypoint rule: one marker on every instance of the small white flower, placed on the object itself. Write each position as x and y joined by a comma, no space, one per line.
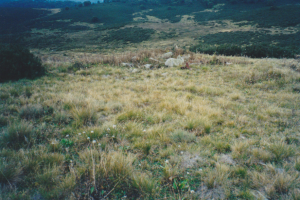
181,152
83,132
99,144
192,191
94,141
178,146
108,129
200,170
167,161
106,135
71,161
144,130
88,138
114,126
188,173
140,165
113,136
79,133
67,135
92,131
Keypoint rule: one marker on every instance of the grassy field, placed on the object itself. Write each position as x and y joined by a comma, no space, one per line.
92,128
227,129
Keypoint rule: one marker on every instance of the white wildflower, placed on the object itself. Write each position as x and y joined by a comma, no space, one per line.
188,173
108,129
178,146
114,126
79,133
83,132
67,135
94,141
144,130
92,131
167,161
113,136
181,152
88,138
99,144
192,191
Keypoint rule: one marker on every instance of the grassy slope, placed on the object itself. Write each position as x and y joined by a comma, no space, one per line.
217,131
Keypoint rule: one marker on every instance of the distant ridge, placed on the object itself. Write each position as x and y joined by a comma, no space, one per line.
37,4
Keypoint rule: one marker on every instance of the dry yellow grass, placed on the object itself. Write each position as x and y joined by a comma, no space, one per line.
116,132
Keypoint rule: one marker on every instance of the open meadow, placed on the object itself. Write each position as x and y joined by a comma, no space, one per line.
105,118
226,129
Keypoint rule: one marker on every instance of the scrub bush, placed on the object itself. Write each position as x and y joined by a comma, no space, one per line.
17,63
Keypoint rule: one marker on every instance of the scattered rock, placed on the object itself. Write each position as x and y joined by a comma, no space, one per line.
186,57
190,160
155,60
171,62
215,193
127,64
135,71
105,76
227,159
134,58
167,55
148,66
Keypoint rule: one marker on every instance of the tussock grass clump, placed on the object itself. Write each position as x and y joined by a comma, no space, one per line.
183,136
62,117
11,173
222,147
131,115
84,116
31,111
281,151
144,184
3,121
18,134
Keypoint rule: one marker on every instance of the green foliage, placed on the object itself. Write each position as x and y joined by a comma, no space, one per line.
17,62
66,142
133,35
254,51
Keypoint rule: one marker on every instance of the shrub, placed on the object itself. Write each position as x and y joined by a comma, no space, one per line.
95,19
87,3
17,62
